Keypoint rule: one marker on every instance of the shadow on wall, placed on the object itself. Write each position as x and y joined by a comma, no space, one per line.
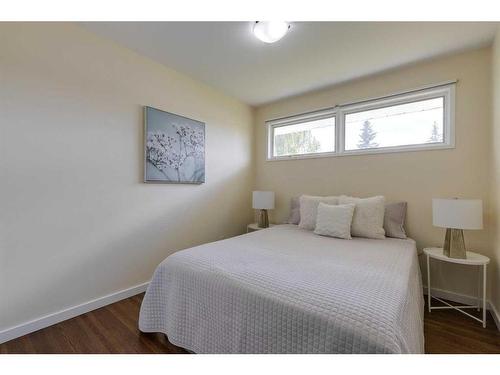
144,230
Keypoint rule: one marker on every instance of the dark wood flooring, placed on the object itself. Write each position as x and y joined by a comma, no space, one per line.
113,329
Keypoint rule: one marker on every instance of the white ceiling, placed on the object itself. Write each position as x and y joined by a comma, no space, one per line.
227,56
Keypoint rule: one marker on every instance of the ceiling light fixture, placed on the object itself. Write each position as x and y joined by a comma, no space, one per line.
270,31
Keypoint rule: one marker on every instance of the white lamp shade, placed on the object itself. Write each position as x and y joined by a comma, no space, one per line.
457,213
263,200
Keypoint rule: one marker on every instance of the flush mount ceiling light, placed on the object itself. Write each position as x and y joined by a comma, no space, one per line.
270,31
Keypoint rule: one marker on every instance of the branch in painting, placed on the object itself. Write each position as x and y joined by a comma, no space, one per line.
163,150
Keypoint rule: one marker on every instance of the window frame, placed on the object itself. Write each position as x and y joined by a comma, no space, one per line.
445,90
299,119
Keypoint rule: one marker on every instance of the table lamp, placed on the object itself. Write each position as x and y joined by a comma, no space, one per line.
263,201
455,215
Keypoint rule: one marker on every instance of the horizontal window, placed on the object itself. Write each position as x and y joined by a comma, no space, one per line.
399,125
307,134
419,120
309,137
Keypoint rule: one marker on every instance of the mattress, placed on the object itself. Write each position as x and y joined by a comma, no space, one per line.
287,290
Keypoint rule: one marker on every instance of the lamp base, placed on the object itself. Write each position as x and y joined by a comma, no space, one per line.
263,219
454,244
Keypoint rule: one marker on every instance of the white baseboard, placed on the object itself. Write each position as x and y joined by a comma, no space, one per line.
48,320
466,300
452,296
57,317
495,314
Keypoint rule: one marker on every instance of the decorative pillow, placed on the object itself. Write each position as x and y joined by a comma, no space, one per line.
394,220
309,209
294,217
334,221
368,219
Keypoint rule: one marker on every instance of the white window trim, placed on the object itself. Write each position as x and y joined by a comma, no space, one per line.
297,119
445,90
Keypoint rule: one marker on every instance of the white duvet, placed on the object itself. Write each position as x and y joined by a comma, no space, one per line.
287,290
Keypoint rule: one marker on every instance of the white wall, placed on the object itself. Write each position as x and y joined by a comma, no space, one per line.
495,173
415,177
76,221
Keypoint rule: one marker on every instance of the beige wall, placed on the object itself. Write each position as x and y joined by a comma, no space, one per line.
76,221
415,177
495,291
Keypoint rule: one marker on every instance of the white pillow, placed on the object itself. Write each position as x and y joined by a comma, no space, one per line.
334,221
368,219
309,209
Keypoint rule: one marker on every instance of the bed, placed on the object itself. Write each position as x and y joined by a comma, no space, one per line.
287,290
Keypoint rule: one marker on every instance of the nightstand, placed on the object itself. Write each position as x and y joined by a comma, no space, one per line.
473,259
253,227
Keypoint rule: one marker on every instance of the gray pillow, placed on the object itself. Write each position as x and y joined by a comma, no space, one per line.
394,220
294,217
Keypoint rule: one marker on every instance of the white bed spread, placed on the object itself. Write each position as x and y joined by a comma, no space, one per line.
287,290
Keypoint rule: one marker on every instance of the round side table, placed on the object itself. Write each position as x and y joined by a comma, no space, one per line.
473,259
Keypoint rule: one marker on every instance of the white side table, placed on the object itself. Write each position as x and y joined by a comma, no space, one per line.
254,226
473,259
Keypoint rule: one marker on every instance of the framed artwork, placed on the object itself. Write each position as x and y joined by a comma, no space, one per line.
174,150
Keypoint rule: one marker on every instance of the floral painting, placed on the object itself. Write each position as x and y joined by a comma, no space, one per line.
175,148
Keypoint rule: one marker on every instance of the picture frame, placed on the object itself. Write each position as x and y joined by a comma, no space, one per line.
174,148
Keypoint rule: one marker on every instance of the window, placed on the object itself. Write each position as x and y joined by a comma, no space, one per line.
307,134
398,125
418,120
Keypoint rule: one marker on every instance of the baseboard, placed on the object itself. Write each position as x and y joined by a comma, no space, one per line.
495,314
57,317
452,296
466,300
48,320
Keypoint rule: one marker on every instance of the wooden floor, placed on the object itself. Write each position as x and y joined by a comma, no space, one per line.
113,329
